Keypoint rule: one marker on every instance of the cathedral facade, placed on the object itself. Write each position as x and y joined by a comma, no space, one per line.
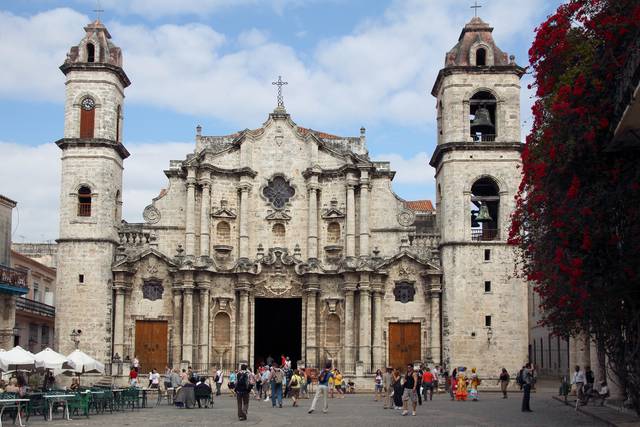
286,240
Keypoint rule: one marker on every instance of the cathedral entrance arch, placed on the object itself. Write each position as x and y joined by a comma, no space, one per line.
404,344
278,329
151,344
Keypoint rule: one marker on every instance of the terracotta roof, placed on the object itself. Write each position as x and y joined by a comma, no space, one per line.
419,205
319,134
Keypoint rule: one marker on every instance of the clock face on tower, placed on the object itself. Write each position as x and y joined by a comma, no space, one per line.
88,104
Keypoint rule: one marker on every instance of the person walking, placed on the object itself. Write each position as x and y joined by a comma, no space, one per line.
473,385
266,385
218,379
323,387
378,384
579,380
503,380
276,379
409,392
387,381
397,389
527,379
453,383
420,371
242,390
427,384
338,383
295,384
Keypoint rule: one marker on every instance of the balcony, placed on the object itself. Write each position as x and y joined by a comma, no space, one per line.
483,138
484,234
35,307
13,281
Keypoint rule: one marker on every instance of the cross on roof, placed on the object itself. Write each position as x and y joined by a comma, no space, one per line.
475,8
98,10
280,83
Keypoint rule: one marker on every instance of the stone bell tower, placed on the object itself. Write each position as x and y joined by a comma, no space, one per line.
476,160
91,191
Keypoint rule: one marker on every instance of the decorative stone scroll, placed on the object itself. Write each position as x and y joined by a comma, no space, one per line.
406,217
152,290
151,214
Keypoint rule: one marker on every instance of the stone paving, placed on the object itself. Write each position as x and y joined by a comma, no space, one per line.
354,410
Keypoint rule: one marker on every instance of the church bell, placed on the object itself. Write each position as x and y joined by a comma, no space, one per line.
482,122
483,215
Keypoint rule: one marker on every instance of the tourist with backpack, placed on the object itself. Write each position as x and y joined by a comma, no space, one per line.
276,379
242,389
295,383
323,388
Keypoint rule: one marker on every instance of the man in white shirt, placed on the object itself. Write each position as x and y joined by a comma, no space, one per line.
579,380
435,372
218,378
154,379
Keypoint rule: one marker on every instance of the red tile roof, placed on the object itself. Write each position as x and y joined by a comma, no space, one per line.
419,205
319,134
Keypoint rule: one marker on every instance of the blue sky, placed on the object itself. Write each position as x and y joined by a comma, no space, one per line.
349,63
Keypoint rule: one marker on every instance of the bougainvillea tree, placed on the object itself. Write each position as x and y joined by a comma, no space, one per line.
577,219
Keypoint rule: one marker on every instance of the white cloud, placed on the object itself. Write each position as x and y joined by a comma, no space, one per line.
382,71
412,170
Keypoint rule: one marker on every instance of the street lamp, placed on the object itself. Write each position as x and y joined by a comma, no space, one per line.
75,337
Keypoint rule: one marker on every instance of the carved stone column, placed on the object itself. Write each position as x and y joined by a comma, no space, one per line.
118,322
187,324
312,232
204,325
436,337
205,217
364,353
244,220
176,331
378,323
349,337
351,218
364,213
190,232
312,307
243,326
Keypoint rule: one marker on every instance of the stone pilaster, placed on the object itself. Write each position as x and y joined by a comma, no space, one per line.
312,307
242,347
349,336
190,232
436,335
204,217
312,232
118,322
378,323
364,213
351,218
204,324
7,320
244,220
364,353
187,324
176,331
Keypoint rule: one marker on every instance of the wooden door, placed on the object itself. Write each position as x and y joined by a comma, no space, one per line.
151,345
87,120
404,344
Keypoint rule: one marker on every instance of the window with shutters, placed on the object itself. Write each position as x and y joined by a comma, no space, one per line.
84,201
87,117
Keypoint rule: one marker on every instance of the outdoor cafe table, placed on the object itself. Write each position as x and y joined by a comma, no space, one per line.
52,399
12,403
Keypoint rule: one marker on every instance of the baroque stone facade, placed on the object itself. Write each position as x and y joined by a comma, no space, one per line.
286,216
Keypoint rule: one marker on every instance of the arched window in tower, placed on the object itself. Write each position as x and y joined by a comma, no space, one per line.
84,201
91,52
87,117
485,210
333,233
278,232
118,115
482,106
116,212
481,57
223,233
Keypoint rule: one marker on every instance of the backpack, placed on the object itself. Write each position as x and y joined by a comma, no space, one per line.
519,378
242,383
294,382
323,377
279,376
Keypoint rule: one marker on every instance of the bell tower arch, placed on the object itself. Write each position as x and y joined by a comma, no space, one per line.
477,161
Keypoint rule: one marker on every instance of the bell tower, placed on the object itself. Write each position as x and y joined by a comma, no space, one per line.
91,190
476,161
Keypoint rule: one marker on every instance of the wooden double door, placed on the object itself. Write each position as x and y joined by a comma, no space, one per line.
151,345
404,344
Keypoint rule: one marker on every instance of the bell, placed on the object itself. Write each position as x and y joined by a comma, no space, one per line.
481,123
483,215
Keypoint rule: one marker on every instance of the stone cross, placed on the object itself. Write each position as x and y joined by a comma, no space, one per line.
475,8
98,10
280,83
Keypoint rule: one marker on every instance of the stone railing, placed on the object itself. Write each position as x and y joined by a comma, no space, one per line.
134,235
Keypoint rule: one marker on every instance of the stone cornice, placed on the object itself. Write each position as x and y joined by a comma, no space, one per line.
93,142
471,146
96,66
496,69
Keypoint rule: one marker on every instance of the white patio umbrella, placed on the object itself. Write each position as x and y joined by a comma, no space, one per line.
49,359
85,364
17,358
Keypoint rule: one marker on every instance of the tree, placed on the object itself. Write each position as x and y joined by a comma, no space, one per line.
577,218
